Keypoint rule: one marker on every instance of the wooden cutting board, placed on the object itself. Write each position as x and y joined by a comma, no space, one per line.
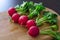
13,31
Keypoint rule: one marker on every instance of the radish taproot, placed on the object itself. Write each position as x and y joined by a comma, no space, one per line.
11,11
33,31
30,23
15,17
23,19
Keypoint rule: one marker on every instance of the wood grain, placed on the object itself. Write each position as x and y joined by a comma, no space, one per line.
14,31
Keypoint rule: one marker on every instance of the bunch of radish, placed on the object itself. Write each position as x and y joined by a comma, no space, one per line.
19,15
23,20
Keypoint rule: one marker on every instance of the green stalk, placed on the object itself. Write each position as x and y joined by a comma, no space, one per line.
33,14
54,34
38,9
40,21
22,8
54,27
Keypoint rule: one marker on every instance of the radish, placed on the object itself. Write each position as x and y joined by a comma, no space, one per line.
33,31
11,11
30,23
23,19
15,17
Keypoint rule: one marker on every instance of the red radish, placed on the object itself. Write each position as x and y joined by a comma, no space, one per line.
23,19
33,31
30,23
15,17
11,11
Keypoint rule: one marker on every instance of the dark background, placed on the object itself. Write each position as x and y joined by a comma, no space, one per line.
53,4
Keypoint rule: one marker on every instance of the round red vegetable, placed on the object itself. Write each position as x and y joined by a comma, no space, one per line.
23,19
11,11
15,17
30,23
33,31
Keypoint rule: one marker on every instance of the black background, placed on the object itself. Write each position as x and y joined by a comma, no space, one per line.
53,4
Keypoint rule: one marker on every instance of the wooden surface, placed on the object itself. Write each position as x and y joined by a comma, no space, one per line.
12,31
